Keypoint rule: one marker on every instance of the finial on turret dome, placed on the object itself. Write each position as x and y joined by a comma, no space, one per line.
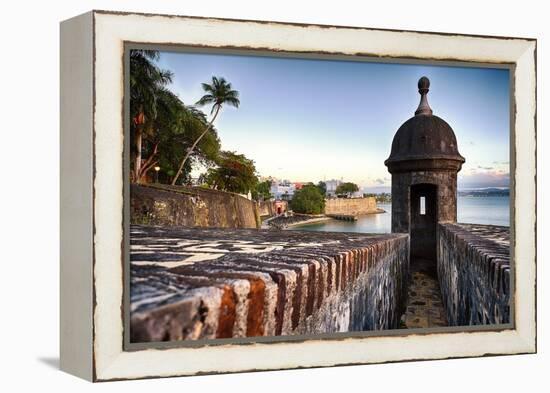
423,89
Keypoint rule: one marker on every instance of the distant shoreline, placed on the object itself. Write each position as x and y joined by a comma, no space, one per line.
484,195
316,220
309,221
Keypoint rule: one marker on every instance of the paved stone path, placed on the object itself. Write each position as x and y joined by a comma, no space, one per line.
424,306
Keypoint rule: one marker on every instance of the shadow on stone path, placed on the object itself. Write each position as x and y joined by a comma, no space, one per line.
424,306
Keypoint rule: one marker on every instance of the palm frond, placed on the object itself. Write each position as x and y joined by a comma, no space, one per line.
205,100
232,102
219,92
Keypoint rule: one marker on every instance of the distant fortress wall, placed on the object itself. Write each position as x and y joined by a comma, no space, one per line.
351,206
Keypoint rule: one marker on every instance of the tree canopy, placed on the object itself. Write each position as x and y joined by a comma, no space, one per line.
262,191
322,186
347,188
308,200
234,173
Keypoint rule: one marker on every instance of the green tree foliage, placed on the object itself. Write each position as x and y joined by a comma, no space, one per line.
218,93
346,188
176,144
234,173
308,200
262,191
383,197
146,80
322,186
162,127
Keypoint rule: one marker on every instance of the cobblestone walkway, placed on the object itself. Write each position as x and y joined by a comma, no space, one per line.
424,307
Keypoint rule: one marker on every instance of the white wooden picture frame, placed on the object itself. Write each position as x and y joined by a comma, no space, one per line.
92,184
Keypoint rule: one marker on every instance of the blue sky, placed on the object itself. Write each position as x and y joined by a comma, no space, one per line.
310,120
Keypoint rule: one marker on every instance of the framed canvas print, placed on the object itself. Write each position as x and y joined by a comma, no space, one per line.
246,195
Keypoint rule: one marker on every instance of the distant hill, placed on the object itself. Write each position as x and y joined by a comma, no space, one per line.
485,192
383,194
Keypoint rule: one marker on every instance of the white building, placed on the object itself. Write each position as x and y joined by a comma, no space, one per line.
331,187
282,189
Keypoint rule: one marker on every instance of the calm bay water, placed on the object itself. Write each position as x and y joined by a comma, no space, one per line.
471,210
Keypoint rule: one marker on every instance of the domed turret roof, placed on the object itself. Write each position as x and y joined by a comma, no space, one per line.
425,137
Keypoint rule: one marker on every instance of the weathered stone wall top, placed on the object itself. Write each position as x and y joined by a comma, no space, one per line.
489,240
498,234
192,283
474,273
351,206
190,206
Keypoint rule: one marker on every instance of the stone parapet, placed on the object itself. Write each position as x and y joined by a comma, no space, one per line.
473,263
206,283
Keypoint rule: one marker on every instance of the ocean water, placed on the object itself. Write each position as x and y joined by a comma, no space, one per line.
471,210
484,210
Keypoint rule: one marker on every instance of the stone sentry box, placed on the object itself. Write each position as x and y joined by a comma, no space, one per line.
92,202
424,163
471,262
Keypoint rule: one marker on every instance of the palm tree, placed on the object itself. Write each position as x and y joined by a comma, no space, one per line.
218,93
147,80
168,109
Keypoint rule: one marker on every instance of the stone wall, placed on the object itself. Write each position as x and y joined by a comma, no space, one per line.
190,206
350,206
204,283
401,202
474,273
269,208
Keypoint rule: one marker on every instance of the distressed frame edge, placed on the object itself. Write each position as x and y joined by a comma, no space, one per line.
76,207
528,340
305,24
525,178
